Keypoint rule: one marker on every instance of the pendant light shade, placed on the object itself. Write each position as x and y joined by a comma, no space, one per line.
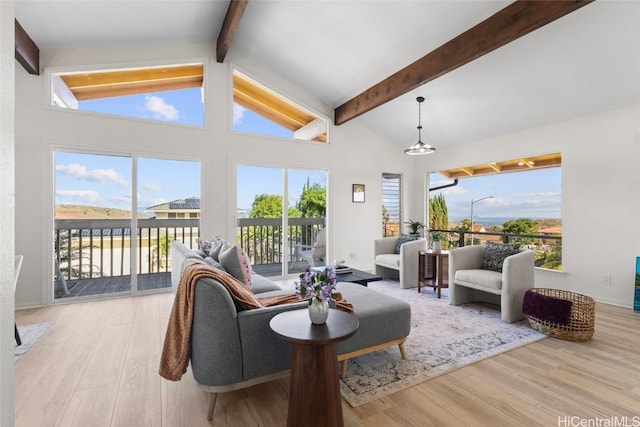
419,147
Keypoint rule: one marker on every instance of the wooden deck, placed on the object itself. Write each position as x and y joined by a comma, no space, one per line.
113,285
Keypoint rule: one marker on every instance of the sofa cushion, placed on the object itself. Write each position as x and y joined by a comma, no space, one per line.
236,262
404,238
495,254
389,261
260,284
479,278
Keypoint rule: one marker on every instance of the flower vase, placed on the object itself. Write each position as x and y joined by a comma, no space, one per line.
437,247
318,311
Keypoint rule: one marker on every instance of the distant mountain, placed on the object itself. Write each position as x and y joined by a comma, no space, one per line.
92,212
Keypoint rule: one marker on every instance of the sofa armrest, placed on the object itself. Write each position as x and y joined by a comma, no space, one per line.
518,272
518,275
386,245
263,352
409,262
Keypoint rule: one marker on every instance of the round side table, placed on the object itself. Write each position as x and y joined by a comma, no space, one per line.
314,365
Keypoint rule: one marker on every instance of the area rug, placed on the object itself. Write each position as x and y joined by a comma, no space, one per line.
29,334
443,338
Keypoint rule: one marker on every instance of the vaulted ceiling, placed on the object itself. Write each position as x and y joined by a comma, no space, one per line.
583,63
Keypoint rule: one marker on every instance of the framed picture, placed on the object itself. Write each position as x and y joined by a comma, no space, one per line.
358,193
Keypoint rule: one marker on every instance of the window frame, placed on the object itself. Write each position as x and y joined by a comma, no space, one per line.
50,72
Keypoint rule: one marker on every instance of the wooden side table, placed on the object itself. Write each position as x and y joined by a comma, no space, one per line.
314,391
437,280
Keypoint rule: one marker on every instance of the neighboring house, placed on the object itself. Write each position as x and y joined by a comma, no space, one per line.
177,209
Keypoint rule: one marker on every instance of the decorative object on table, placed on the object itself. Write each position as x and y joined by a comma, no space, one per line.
436,237
319,288
560,314
415,226
636,300
358,193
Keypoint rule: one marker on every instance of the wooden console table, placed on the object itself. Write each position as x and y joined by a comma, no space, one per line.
314,391
437,279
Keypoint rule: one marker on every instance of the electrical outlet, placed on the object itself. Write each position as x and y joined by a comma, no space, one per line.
607,280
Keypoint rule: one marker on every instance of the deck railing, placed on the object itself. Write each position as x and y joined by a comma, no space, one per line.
547,248
262,238
101,248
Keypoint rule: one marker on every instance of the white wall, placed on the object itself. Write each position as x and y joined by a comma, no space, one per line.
7,212
355,155
600,196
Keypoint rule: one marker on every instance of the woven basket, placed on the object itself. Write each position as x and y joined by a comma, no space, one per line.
581,319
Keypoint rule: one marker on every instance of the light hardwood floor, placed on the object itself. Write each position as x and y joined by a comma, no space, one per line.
98,366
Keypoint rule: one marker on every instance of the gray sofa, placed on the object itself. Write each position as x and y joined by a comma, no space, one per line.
233,348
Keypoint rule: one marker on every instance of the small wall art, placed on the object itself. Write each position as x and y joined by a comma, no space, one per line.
358,193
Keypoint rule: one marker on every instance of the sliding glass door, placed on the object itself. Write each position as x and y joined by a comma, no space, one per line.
100,247
281,218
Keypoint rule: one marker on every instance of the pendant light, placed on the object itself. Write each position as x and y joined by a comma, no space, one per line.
419,147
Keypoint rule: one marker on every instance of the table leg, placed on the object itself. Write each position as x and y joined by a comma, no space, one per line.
314,392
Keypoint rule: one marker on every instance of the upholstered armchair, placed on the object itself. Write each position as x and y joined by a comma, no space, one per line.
469,282
402,265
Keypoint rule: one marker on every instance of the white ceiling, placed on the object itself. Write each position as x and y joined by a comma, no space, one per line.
583,63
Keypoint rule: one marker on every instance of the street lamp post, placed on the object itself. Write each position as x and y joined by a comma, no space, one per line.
472,203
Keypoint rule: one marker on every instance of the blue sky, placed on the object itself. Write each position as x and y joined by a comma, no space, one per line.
530,194
98,180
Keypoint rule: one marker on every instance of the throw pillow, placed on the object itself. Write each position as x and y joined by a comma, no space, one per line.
404,238
495,254
213,263
216,247
236,263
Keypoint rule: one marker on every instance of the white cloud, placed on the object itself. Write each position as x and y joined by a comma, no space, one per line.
160,109
238,113
151,186
77,170
77,197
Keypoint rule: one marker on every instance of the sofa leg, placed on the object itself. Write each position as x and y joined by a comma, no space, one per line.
343,368
402,352
212,405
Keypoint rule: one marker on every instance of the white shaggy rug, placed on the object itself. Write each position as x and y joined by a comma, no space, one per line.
29,334
442,338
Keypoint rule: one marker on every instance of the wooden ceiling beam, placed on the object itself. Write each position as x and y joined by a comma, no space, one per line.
229,28
512,22
27,53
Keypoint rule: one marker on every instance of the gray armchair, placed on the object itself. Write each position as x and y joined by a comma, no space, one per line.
468,282
404,265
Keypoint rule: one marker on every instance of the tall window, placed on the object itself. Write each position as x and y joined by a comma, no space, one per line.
165,93
111,238
281,218
517,200
391,204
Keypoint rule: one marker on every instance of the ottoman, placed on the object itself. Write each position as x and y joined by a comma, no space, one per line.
384,322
